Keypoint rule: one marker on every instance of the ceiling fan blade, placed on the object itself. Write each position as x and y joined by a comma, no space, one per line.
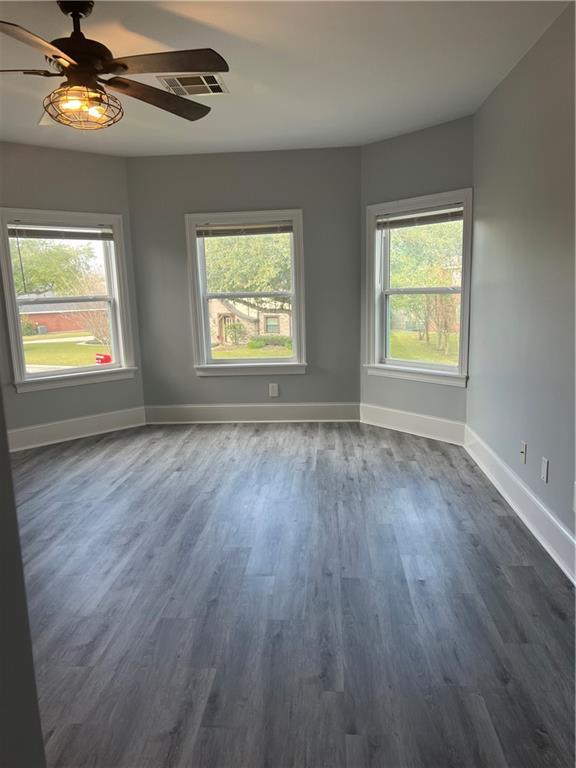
24,36
189,110
40,72
199,60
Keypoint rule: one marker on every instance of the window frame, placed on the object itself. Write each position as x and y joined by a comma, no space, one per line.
204,363
378,285
117,298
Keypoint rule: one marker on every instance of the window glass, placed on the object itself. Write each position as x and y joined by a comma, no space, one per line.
239,328
248,262
55,266
426,255
63,337
424,328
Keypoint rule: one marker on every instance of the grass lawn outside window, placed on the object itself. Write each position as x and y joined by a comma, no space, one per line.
246,352
64,349
407,345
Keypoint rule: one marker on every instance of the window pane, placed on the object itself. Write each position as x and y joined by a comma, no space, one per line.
424,328
58,267
66,336
252,263
426,255
239,328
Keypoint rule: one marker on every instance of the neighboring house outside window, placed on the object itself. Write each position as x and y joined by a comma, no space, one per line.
418,274
247,292
66,295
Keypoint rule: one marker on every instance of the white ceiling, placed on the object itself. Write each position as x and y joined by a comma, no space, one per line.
302,74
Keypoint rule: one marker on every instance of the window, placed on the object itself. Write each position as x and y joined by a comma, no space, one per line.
65,291
272,324
418,273
247,293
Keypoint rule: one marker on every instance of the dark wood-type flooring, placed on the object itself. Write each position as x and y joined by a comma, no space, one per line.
289,596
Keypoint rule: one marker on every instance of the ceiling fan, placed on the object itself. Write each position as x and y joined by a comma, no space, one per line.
82,101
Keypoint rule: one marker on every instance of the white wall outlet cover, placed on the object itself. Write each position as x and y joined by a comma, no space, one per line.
544,469
273,390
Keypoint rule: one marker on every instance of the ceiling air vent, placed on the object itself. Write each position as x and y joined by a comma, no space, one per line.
193,85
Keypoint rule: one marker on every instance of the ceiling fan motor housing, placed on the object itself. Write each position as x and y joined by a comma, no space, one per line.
90,54
75,8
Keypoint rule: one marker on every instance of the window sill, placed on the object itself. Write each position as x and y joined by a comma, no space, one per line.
252,369
417,374
74,379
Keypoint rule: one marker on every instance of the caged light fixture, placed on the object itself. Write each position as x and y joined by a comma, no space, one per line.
87,108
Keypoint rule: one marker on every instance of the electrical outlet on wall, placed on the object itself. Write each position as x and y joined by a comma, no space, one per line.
523,451
544,469
273,390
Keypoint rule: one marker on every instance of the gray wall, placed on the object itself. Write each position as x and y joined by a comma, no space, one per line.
21,742
522,326
325,184
437,159
51,179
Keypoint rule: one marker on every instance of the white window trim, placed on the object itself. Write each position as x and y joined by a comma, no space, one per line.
122,327
413,370
200,332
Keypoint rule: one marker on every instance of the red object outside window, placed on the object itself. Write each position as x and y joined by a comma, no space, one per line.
102,358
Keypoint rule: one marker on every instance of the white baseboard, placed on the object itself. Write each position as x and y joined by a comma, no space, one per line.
556,539
70,429
251,412
415,423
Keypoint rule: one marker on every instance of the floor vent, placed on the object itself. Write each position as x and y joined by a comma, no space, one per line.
193,85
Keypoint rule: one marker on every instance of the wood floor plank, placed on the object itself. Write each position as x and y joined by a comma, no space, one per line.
289,596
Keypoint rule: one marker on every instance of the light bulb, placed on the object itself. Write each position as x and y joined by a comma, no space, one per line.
71,104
